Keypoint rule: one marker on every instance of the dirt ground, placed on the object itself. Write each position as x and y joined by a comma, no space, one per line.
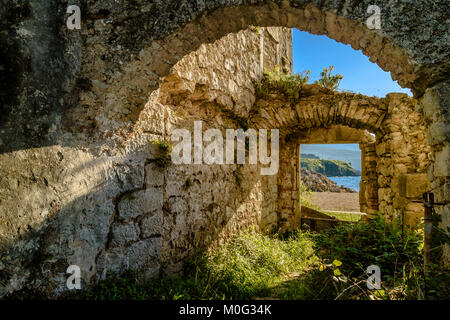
336,201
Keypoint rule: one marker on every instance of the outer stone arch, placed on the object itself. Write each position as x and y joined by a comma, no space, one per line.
124,49
142,64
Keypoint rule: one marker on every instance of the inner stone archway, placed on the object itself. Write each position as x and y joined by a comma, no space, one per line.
76,137
340,134
397,153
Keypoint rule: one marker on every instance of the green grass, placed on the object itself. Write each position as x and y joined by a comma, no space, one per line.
344,216
276,80
250,265
300,265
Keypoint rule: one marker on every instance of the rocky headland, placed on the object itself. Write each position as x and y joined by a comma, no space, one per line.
320,183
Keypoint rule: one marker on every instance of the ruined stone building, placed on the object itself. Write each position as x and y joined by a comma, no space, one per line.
87,117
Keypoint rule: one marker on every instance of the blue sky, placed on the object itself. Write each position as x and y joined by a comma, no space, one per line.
315,53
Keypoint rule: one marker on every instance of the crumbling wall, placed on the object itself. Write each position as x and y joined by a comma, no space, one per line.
403,159
108,206
215,84
435,108
394,166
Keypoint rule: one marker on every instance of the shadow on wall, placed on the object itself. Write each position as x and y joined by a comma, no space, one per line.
121,213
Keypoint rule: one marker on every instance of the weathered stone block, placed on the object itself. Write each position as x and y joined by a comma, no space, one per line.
145,253
414,185
399,202
442,162
154,175
385,169
415,207
414,212
383,181
385,194
130,176
382,148
151,226
141,202
400,169
124,233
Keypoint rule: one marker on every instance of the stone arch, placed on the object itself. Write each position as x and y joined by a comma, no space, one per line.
330,117
145,49
136,63
321,110
128,58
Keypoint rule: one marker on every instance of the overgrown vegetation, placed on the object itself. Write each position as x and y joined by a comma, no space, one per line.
329,81
347,250
164,157
306,196
289,84
250,265
300,265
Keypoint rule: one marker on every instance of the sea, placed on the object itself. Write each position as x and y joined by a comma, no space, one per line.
348,182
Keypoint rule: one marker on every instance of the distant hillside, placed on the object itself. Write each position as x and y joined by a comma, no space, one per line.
349,153
330,168
308,156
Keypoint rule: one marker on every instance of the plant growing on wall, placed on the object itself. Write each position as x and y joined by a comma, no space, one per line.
188,182
165,149
328,80
255,29
289,84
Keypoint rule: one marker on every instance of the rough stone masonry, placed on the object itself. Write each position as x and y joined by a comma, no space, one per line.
80,111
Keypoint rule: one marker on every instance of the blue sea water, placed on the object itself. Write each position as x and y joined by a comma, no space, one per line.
349,182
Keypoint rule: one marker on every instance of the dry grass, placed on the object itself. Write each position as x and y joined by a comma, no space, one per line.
336,201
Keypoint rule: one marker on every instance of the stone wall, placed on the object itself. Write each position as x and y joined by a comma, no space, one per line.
403,159
391,134
435,108
100,201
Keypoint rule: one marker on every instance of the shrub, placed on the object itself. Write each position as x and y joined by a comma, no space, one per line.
377,242
329,81
289,84
165,149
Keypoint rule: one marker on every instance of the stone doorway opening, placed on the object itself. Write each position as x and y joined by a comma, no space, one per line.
330,177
